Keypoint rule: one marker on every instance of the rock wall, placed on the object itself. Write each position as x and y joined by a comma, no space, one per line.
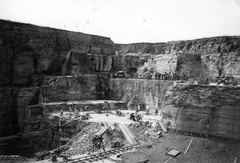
8,114
151,48
74,88
28,53
198,58
79,63
203,109
26,97
14,105
212,45
130,63
149,93
84,63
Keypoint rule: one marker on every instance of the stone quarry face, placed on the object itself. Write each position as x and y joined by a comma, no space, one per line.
207,110
39,64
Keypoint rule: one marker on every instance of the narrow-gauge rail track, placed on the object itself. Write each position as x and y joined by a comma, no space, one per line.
12,157
100,156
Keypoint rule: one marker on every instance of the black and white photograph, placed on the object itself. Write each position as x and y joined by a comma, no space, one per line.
119,81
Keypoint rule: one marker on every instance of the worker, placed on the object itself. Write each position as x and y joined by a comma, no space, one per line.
76,110
171,76
185,77
61,113
159,76
156,75
85,109
163,76
70,111
98,143
119,113
60,125
220,72
132,117
138,117
138,109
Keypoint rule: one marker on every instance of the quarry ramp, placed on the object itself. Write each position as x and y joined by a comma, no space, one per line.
128,135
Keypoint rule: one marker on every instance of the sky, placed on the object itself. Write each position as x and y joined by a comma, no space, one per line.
129,21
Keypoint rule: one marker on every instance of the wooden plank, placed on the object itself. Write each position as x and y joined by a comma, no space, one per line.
235,160
130,134
163,128
168,160
111,126
188,146
103,129
125,134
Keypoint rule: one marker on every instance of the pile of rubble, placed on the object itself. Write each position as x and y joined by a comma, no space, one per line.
113,136
146,131
81,143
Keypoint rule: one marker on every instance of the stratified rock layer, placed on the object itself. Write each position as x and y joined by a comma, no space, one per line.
203,109
145,92
75,88
200,58
213,45
29,51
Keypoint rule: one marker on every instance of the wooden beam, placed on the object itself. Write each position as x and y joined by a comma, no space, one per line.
168,160
163,128
188,146
235,161
126,134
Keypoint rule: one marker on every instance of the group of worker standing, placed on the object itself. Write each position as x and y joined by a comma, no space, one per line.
170,76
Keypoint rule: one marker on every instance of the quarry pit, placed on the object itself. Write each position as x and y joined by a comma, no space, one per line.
59,89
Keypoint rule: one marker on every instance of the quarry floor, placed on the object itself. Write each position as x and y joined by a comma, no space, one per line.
202,150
